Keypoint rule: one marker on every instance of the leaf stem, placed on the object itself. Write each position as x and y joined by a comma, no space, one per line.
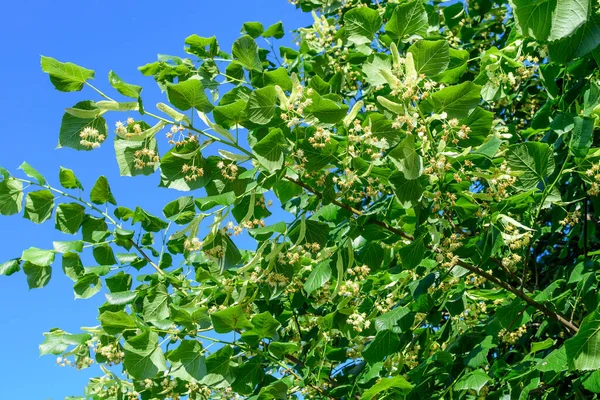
99,91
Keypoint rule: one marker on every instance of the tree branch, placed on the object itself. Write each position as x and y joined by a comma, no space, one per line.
473,269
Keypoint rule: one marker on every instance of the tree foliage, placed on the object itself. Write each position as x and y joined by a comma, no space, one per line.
419,182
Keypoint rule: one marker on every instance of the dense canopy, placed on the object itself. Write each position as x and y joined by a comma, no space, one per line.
403,205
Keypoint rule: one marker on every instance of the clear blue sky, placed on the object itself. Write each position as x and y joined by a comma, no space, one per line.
101,35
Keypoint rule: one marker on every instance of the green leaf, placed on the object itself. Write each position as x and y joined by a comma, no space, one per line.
120,298
326,110
534,17
383,128
224,199
412,254
583,349
270,150
156,304
362,21
408,19
583,135
585,39
314,232
248,376
550,20
11,196
37,275
386,342
101,193
126,89
181,211
261,105
265,325
531,163
72,266
396,384
407,191
178,159
275,30
279,349
456,67
125,151
457,101
69,217
318,277
150,223
406,158
245,51
143,356
391,319
201,46
189,94
104,255
567,17
87,286
219,362
229,319
543,345
38,256
591,382
115,323
431,58
10,267
371,68
66,77
71,127
555,361
119,283
279,76
230,115
475,380
58,341
477,357
68,180
65,247
39,206
254,29
32,173
187,361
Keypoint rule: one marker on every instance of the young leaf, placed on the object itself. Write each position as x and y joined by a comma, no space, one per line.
32,173
101,193
275,30
68,180
126,89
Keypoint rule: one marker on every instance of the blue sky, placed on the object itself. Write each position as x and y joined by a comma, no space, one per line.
100,35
